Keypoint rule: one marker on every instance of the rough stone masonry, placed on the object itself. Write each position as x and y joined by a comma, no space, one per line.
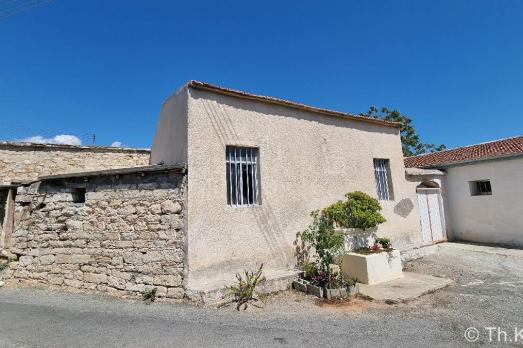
113,233
28,161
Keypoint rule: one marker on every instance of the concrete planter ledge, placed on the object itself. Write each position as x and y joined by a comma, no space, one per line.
373,268
409,287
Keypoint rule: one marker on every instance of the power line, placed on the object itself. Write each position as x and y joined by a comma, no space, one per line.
20,7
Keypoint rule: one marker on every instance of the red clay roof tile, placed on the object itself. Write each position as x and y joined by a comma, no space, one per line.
492,149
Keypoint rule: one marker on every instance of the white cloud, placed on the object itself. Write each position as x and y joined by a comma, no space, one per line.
62,139
117,144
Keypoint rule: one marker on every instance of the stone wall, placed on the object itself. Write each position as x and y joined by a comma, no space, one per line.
126,238
27,161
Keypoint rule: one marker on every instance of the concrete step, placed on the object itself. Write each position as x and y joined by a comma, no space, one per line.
409,287
216,291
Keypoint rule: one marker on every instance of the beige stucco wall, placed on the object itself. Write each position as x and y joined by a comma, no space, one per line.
307,161
170,141
490,219
24,161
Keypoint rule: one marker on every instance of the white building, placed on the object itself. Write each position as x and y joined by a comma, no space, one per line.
483,189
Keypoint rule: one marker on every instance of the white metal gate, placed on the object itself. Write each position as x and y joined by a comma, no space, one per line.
431,215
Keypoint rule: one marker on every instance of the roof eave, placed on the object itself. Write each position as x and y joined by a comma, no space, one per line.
276,101
471,161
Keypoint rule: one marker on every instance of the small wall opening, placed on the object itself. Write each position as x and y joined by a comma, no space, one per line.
480,188
78,195
3,200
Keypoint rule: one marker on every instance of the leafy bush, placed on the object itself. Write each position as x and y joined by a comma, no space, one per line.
359,211
309,269
363,210
149,296
338,213
384,242
245,292
322,236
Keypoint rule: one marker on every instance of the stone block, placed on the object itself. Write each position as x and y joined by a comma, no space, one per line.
95,278
61,258
135,287
46,259
25,261
55,279
73,283
176,293
170,207
81,259
155,209
116,282
152,256
133,258
168,280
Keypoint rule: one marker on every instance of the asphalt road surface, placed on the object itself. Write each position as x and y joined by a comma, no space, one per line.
488,292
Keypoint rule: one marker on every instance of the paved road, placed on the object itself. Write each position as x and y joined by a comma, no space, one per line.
488,292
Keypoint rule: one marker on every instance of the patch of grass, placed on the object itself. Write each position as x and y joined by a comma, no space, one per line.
149,296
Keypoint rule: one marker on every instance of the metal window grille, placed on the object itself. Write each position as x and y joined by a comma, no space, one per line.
242,175
381,173
482,187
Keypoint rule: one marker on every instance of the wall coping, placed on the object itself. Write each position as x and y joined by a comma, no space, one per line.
24,146
181,168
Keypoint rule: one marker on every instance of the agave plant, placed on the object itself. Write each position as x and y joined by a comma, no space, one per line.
245,291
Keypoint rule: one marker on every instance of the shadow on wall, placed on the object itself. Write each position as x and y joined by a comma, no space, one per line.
404,207
273,234
266,220
221,123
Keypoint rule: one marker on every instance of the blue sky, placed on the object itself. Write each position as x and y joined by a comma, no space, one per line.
105,67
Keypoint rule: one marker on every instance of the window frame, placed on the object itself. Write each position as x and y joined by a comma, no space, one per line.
476,188
242,162
385,176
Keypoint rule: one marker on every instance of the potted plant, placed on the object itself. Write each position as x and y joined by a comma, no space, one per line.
327,243
369,264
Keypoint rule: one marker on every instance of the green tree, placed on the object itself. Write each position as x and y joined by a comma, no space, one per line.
410,139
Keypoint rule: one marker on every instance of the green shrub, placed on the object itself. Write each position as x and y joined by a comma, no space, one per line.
384,242
338,212
359,210
149,296
322,236
309,269
363,210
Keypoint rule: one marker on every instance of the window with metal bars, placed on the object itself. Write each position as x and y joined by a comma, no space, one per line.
382,175
480,188
242,175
